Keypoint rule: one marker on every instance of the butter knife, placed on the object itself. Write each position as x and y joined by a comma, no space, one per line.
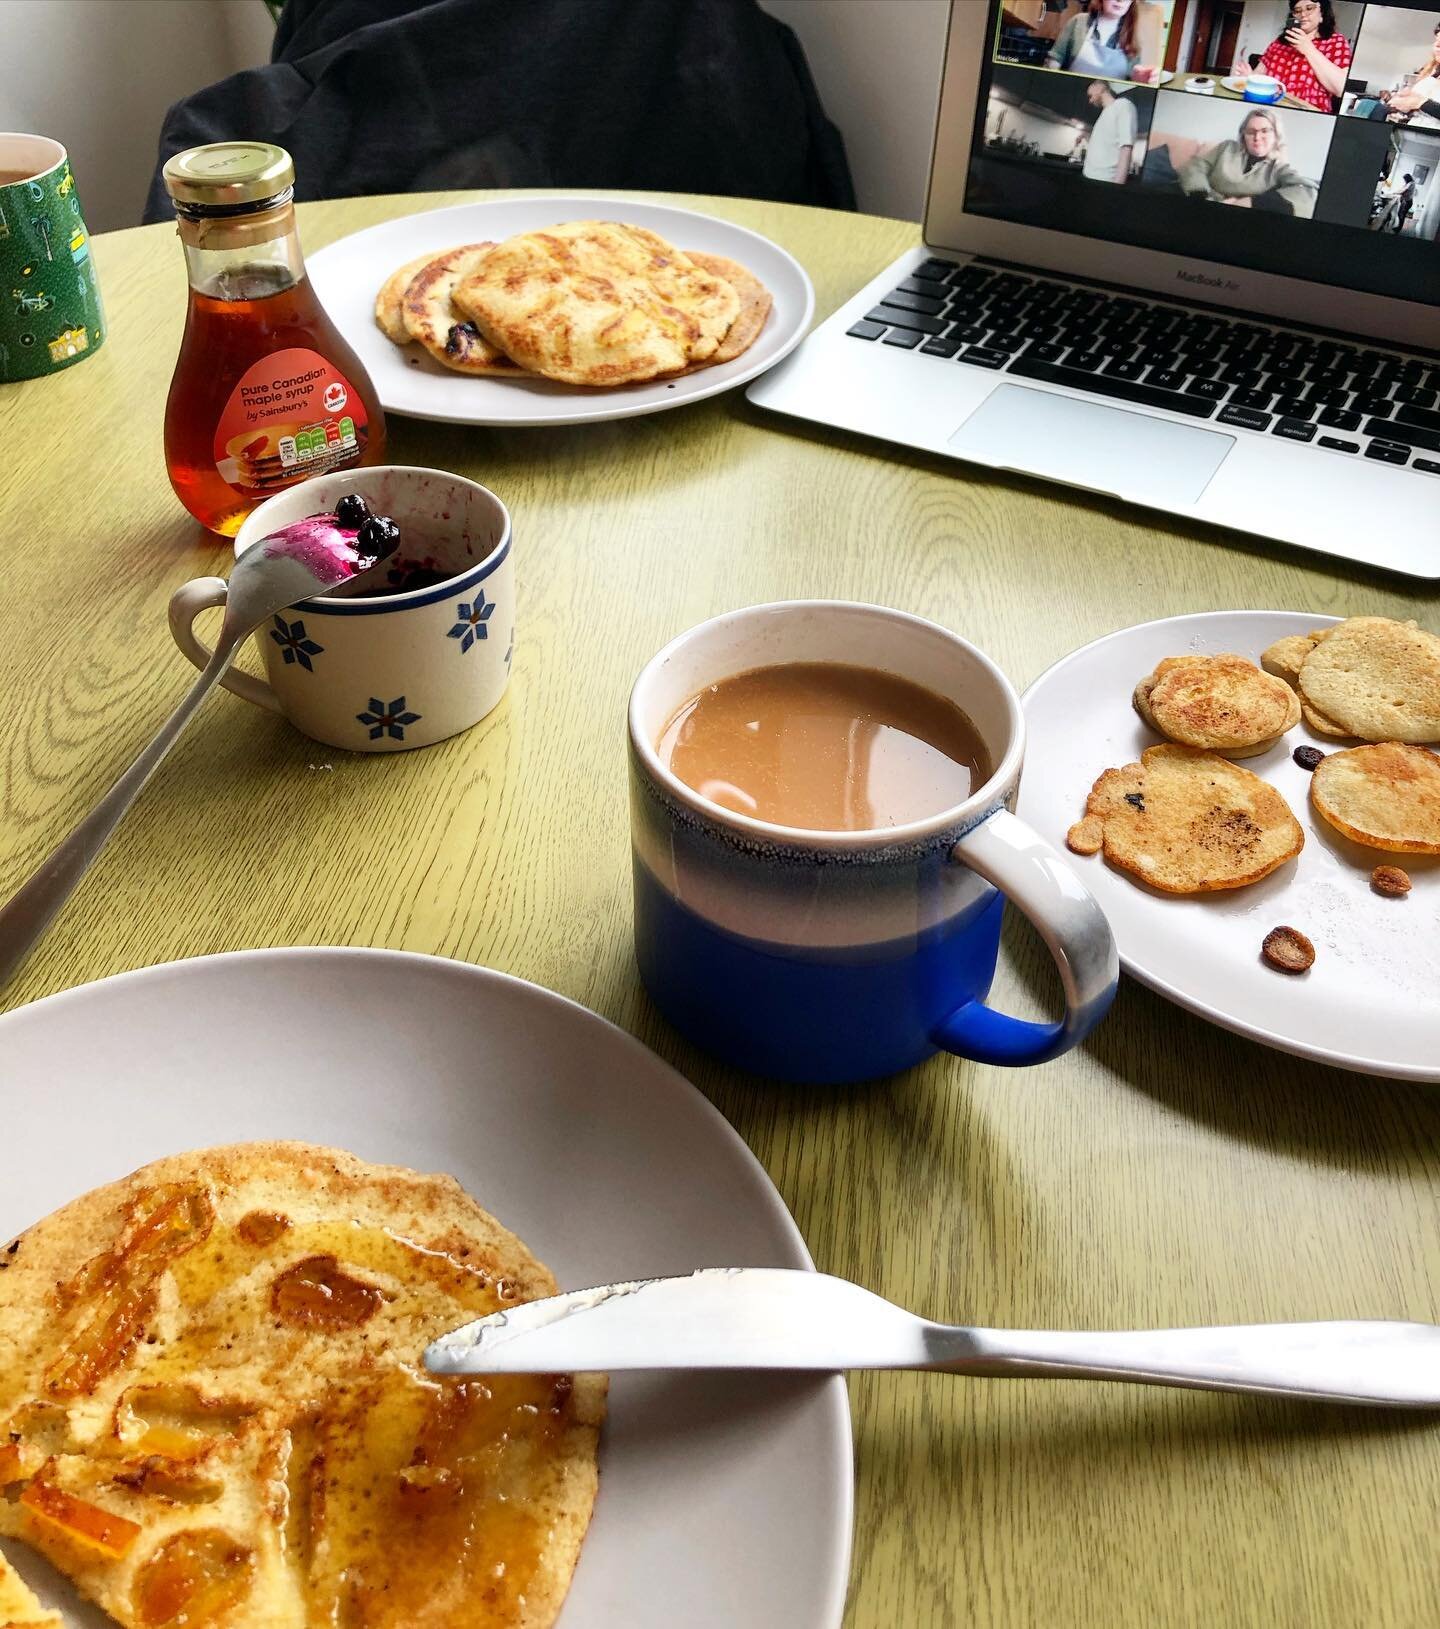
772,1318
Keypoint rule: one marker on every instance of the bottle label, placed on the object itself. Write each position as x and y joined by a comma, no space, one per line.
290,416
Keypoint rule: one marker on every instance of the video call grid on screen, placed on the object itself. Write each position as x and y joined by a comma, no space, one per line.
1129,120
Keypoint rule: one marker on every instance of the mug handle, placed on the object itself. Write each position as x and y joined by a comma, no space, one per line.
1029,872
186,603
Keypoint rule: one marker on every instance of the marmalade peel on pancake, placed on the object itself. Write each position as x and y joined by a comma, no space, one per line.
598,303
213,1411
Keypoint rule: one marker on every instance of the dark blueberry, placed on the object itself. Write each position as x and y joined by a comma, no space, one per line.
352,510
461,337
1307,757
377,537
1136,801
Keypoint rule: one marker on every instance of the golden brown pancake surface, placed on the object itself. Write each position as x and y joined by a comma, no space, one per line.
430,315
598,303
212,1409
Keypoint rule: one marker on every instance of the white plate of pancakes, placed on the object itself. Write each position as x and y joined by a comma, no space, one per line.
743,294
722,1499
1368,1001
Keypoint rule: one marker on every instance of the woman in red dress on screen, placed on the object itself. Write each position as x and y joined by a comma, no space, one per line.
1311,57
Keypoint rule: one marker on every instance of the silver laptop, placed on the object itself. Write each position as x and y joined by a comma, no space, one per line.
1141,280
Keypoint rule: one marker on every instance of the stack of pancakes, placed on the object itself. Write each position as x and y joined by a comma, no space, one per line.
257,460
593,303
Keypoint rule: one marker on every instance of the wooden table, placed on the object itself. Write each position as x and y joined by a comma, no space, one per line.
1167,1173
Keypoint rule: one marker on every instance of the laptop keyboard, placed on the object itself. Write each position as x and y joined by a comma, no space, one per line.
1272,381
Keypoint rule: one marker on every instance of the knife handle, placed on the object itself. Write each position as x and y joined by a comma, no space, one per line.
1361,1361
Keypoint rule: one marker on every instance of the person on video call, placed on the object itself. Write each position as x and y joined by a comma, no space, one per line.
1104,40
1419,103
1252,172
1311,56
1112,136
1406,203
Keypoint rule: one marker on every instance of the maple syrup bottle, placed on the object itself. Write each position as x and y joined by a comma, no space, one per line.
266,393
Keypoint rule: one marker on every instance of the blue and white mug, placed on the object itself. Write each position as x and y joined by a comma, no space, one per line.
383,672
833,956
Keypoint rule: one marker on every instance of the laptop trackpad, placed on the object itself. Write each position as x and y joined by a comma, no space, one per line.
1105,449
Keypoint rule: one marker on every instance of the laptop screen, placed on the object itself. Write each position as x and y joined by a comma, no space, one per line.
1293,136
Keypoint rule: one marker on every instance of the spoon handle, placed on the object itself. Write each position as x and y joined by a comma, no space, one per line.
29,911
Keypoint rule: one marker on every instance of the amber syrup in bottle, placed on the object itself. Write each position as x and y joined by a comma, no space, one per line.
266,392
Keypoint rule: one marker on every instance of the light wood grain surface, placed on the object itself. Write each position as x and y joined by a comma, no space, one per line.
1166,1173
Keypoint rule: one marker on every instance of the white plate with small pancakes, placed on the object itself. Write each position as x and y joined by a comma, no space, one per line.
723,1499
1369,1002
347,275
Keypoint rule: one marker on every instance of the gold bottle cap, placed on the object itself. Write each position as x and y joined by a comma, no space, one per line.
229,174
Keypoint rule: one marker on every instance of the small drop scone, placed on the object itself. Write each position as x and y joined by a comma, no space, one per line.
1223,704
1284,657
1376,680
1187,821
1385,796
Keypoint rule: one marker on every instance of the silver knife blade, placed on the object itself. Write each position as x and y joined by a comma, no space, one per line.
718,1318
770,1318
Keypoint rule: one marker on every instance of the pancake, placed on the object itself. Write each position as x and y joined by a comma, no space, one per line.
1285,657
598,303
1385,796
18,1607
212,1411
1376,679
1187,821
1222,703
389,302
431,317
755,303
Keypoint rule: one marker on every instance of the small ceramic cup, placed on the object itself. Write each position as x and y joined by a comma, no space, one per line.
383,672
50,312
827,956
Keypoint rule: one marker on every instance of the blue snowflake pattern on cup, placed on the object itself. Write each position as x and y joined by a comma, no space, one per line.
295,644
472,618
387,718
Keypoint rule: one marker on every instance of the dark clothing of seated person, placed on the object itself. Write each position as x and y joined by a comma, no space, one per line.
379,96
1251,172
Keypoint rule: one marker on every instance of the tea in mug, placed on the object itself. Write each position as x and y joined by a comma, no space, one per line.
825,746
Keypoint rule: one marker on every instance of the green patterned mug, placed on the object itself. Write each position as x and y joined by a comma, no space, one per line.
50,313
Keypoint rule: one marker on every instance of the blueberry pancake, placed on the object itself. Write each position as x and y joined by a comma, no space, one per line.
597,303
431,318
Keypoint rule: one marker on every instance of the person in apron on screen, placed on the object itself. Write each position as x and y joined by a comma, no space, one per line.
1103,41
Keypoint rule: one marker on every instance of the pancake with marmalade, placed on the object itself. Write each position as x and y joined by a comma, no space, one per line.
213,1410
598,303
